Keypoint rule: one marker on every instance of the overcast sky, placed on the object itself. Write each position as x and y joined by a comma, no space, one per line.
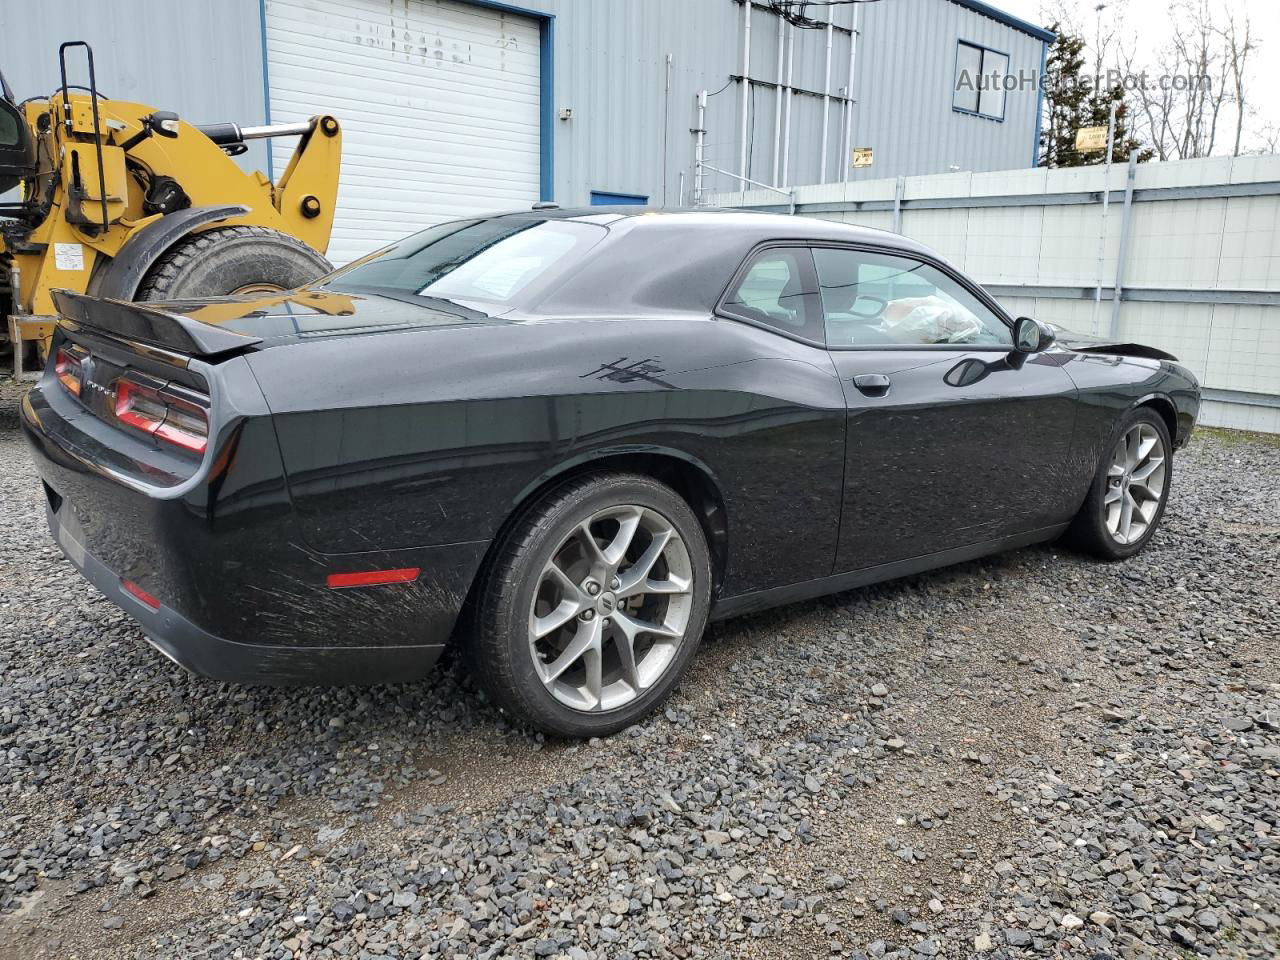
1146,27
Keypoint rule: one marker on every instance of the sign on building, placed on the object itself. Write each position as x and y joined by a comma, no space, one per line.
862,156
1091,138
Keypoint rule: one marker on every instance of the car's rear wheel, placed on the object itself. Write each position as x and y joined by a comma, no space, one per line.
1130,488
592,605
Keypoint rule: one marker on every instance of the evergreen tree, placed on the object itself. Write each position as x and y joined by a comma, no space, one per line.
1072,102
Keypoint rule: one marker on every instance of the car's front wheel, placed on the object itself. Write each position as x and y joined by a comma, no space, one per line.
592,606
1130,488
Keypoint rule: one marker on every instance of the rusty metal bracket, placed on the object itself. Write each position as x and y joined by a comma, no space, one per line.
24,330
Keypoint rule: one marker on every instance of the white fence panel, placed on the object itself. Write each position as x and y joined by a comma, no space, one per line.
1200,243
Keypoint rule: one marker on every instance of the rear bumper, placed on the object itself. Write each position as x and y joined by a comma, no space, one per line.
241,597
217,658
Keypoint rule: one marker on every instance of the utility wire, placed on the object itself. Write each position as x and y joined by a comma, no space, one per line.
722,89
794,11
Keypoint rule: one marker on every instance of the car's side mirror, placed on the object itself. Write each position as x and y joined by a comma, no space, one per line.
1031,336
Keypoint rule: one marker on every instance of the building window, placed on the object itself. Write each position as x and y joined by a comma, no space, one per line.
980,76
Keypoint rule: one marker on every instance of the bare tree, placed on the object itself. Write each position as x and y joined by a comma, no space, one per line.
1239,41
1181,97
1204,68
1108,28
1268,140
1106,31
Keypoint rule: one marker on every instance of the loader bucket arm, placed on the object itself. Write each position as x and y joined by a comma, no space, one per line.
306,193
308,188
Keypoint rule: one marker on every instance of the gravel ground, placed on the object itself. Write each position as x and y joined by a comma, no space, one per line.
1028,756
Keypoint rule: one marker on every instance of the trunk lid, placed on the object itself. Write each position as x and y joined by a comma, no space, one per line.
127,387
215,328
170,326
135,382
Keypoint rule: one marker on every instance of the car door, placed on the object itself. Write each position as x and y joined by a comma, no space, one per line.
952,439
795,477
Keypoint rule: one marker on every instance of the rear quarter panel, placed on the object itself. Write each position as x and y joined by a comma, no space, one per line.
434,437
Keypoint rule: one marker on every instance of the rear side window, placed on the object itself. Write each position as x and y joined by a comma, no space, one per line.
490,261
778,289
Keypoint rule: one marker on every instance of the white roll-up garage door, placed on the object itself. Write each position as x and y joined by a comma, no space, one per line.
439,105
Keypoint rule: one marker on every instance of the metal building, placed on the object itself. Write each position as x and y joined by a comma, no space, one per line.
452,107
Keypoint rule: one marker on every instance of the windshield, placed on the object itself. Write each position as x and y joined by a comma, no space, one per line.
490,261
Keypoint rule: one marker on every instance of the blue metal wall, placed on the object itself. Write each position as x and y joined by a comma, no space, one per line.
631,113
630,132
905,79
201,60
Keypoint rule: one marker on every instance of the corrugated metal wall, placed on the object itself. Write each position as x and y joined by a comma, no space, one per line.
906,64
201,60
1200,275
629,133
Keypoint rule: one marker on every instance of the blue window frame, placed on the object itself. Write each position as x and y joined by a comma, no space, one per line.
546,87
607,198
979,81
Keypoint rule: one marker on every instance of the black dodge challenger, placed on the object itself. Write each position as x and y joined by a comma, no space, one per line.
565,439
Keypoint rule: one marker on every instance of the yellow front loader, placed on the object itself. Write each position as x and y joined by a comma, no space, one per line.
125,201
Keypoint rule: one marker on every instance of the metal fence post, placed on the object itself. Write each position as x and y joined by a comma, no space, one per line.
899,189
1102,230
699,147
1126,222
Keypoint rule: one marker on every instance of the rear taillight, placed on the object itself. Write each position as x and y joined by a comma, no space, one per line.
163,414
68,369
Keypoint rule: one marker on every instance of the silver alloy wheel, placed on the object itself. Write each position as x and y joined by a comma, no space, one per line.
1135,484
611,608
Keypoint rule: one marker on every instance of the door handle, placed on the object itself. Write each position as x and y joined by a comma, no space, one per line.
872,384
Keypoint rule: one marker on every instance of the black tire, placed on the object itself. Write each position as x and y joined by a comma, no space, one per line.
498,649
221,261
1088,531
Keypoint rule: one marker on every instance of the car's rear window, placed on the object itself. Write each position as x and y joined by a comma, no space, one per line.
492,260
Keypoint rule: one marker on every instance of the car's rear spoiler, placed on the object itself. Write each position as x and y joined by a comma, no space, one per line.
159,325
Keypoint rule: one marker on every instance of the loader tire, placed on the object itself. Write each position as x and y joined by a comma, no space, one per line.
227,261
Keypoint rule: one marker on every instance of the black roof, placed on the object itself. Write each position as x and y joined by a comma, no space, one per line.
756,227
674,259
